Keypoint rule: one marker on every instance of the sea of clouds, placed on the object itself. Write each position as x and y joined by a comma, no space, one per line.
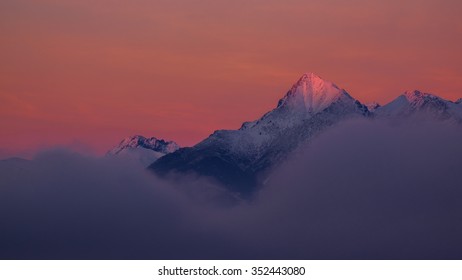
361,190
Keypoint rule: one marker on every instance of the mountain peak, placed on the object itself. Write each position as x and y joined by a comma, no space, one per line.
313,80
153,143
414,95
312,94
418,99
310,76
459,101
421,105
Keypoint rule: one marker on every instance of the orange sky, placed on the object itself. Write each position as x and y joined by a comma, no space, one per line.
85,74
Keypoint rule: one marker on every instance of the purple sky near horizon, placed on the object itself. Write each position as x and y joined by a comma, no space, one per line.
85,74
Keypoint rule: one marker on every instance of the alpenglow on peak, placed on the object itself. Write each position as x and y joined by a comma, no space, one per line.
312,94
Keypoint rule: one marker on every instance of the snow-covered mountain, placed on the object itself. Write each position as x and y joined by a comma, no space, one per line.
144,150
420,105
239,158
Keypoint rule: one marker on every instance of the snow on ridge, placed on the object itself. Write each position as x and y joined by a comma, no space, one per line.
421,105
416,96
139,141
142,150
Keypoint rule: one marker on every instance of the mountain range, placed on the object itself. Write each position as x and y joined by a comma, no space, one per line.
241,159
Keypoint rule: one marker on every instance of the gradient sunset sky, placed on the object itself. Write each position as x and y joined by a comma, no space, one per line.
85,74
